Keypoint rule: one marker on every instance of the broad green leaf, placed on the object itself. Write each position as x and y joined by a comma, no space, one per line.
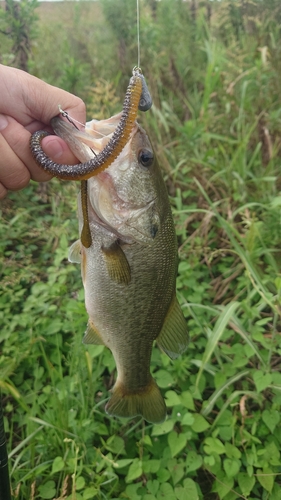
135,470
151,466
131,491
180,493
164,379
95,350
177,472
209,461
216,334
246,483
172,398
272,454
164,428
193,461
232,451
90,493
152,486
57,465
271,419
102,429
200,424
166,492
47,490
223,485
266,478
188,419
231,466
163,475
115,444
177,442
187,400
213,445
119,464
188,491
276,202
80,483
147,440
276,492
262,380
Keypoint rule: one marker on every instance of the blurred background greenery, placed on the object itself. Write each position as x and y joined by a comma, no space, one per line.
214,71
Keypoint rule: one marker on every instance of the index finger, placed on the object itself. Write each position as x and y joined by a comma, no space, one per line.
29,98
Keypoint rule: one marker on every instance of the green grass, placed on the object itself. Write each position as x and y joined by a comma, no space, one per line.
216,127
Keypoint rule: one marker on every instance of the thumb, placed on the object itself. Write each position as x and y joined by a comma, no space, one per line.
58,150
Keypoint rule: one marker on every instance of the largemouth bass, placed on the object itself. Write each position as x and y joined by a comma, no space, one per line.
129,271
127,248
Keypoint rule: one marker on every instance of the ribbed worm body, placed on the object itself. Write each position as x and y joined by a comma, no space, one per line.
101,161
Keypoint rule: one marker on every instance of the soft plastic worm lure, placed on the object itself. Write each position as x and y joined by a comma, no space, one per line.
137,97
137,94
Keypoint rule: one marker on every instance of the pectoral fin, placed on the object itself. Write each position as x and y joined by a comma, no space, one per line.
74,252
117,265
92,336
173,338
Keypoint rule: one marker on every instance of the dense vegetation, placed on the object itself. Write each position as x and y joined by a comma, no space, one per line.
214,70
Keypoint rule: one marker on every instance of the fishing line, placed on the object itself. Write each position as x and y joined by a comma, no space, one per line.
65,113
138,31
70,119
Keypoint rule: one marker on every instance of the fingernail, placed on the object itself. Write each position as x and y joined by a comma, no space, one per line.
3,122
53,148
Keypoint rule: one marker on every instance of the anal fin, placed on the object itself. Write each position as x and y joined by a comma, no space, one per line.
92,336
173,338
117,265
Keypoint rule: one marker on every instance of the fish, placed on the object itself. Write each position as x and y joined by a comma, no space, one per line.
127,248
129,270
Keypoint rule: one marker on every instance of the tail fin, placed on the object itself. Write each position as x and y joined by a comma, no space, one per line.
148,402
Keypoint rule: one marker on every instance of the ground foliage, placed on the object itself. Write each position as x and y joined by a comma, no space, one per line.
214,71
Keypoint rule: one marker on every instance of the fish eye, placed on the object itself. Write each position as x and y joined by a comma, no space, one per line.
146,157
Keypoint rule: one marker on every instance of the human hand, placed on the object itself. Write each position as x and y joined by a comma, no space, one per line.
28,104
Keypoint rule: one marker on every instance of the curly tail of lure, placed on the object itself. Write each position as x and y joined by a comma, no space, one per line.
137,96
